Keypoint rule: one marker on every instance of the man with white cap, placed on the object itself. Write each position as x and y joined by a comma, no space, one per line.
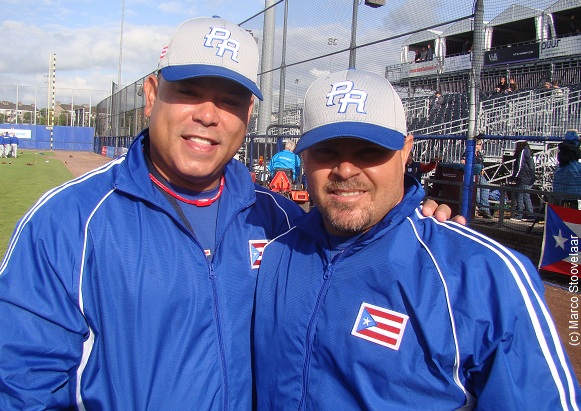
366,304
131,287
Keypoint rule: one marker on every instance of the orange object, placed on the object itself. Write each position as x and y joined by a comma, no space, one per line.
280,183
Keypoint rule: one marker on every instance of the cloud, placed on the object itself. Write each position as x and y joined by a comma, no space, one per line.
182,8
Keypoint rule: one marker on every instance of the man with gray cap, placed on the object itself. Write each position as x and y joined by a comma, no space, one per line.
366,304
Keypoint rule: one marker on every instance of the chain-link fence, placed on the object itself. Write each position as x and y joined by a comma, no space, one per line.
421,46
33,105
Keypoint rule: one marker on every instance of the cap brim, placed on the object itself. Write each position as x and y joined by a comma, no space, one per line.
384,137
177,73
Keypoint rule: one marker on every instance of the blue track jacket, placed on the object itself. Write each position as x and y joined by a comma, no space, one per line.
107,301
415,315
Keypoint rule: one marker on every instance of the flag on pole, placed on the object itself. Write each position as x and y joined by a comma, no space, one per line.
560,251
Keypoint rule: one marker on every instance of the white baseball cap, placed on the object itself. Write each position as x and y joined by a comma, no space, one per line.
211,47
354,104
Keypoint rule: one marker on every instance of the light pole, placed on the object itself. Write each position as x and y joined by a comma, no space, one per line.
353,45
353,35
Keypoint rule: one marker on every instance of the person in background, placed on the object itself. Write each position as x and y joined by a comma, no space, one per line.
14,145
466,47
2,146
132,287
416,169
430,53
438,103
366,304
512,85
424,54
482,193
286,160
502,86
567,178
6,143
523,174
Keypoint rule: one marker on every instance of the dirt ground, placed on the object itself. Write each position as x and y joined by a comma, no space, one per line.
561,302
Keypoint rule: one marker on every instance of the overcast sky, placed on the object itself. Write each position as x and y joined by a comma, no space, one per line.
85,36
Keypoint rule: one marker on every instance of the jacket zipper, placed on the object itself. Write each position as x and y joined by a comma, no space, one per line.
212,276
310,331
220,339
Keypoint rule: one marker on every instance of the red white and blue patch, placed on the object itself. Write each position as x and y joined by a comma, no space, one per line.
256,248
380,325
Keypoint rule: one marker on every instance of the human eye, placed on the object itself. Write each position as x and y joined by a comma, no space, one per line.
372,153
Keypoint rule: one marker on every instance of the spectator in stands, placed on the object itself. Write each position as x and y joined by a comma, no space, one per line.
547,85
286,160
430,53
502,86
567,179
512,85
418,56
416,169
558,91
466,47
523,174
424,54
481,193
573,26
14,145
438,102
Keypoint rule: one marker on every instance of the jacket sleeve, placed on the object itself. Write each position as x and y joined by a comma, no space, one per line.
42,329
524,364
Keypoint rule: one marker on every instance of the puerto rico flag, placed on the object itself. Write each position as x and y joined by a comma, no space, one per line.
256,247
380,325
560,251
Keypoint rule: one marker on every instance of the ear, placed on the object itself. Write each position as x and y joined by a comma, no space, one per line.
150,88
250,107
406,150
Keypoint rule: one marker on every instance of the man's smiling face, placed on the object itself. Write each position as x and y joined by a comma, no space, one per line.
196,127
354,183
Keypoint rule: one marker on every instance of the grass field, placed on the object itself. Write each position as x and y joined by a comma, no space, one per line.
22,181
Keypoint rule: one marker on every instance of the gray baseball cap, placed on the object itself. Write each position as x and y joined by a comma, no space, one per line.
355,104
211,47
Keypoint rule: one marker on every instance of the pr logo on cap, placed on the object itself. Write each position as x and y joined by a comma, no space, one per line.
226,42
349,94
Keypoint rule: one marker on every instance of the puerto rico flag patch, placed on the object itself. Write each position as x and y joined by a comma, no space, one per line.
256,247
380,325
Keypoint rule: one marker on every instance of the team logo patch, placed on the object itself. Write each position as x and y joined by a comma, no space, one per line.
380,325
220,39
348,95
256,247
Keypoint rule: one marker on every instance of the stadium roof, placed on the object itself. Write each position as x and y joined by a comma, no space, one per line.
561,5
462,26
514,13
421,37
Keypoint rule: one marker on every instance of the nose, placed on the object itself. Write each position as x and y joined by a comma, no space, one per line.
206,113
345,169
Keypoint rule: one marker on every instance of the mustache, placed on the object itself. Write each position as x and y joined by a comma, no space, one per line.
351,185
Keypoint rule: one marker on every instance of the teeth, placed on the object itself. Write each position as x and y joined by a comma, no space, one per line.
200,140
349,193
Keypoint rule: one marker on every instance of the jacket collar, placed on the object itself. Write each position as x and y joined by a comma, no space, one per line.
134,180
